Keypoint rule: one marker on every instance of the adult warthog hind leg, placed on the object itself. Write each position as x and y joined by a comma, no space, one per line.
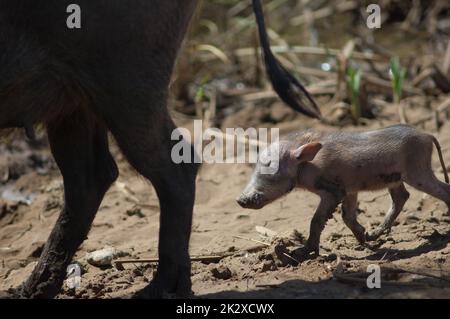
80,147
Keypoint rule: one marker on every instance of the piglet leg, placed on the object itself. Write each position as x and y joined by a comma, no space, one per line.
399,197
327,205
349,215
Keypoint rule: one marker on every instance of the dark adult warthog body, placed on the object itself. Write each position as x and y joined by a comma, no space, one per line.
338,165
112,74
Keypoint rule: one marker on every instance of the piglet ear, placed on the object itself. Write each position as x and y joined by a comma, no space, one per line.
307,152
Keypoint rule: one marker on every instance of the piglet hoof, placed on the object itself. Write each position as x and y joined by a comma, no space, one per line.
371,236
6,295
304,253
374,235
10,294
362,238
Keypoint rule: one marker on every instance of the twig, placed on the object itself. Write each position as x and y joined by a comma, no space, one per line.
251,239
215,51
446,63
444,106
384,256
246,94
387,85
239,139
270,94
402,113
357,55
421,76
414,272
210,113
343,59
206,259
438,76
351,278
374,198
128,192
303,70
263,95
413,16
440,79
324,12
266,244
291,258
265,232
256,248
356,276
364,42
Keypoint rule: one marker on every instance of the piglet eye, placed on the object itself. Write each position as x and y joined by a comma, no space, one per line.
267,163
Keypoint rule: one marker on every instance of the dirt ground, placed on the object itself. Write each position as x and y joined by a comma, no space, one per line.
128,220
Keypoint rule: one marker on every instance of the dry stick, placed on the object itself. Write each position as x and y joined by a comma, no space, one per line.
412,16
243,5
265,232
266,244
210,113
431,18
419,273
254,240
446,63
271,94
129,195
444,106
387,85
215,51
324,12
421,77
238,8
254,249
127,191
384,256
211,259
237,28
239,139
440,79
402,113
343,59
321,87
357,55
351,278
376,48
292,258
355,277
273,5
374,198
380,102
314,72
208,258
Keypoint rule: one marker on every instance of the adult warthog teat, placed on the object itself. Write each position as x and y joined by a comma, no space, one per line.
336,166
112,74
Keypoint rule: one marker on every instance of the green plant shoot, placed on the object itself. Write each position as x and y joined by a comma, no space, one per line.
397,77
354,84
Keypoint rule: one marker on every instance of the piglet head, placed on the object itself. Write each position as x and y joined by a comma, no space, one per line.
276,173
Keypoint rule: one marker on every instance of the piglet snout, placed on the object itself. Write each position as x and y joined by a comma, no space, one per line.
253,201
242,201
